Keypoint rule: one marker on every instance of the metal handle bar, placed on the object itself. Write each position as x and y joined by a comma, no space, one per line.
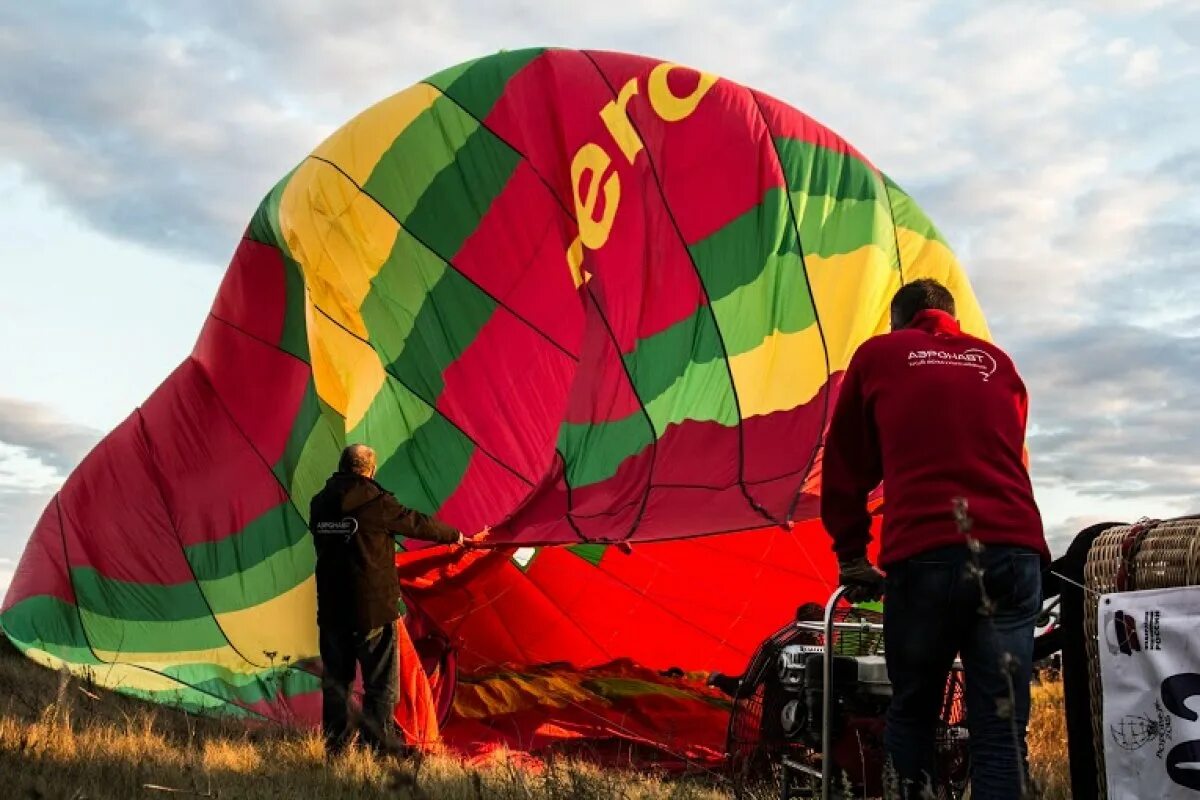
827,692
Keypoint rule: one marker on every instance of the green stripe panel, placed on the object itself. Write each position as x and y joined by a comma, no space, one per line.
754,275
318,457
840,203
165,635
594,452
49,624
429,456
264,225
681,374
441,175
307,418
271,534
477,85
294,337
422,315
133,603
451,208
819,171
909,215
418,155
248,689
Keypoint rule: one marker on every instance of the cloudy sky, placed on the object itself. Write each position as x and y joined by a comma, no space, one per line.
1055,144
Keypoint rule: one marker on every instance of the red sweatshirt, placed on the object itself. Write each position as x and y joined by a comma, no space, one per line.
935,414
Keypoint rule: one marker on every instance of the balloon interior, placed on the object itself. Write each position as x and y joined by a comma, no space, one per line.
599,302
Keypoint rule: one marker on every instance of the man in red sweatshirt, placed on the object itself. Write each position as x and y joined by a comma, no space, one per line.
938,416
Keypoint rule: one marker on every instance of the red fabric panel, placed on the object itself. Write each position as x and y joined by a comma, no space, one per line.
260,385
509,388
253,294
214,481
485,486
699,604
113,512
518,255
42,569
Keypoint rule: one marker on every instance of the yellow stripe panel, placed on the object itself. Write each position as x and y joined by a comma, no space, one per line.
854,296
341,239
357,146
783,372
285,625
853,293
346,370
928,258
224,657
112,676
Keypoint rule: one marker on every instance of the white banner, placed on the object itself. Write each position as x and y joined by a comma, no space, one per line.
1150,668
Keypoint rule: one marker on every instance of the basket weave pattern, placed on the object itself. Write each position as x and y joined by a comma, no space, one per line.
1149,555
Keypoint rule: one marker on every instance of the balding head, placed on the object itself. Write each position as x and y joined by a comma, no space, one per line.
359,459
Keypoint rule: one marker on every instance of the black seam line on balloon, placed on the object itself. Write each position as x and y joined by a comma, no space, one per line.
742,529
812,459
662,193
558,453
690,486
157,478
637,520
449,264
62,530
433,407
257,338
895,231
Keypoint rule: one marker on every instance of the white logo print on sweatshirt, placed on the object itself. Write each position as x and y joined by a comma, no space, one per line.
974,358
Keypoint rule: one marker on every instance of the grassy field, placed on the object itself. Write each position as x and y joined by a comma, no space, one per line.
60,739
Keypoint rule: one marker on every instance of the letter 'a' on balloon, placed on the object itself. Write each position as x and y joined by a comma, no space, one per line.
597,301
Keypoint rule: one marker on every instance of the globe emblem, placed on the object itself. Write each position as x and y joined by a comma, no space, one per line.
1134,731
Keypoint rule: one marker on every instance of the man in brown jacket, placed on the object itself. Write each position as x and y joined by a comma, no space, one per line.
353,521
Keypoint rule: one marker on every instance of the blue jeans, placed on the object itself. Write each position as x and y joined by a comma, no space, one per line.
933,611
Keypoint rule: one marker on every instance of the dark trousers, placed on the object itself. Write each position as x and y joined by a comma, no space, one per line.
935,610
375,653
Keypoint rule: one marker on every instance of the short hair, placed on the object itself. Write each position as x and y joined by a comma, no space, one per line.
920,295
357,458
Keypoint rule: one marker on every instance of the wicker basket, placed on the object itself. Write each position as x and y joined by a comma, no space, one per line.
1148,555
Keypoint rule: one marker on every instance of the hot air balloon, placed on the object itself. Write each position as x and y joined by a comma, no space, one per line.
597,301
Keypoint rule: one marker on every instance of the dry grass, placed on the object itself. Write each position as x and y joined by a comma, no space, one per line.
60,739
1048,742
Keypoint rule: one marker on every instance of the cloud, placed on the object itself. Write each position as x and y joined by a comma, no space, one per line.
42,436
1116,410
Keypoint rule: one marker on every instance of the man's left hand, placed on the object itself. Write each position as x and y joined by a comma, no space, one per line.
863,581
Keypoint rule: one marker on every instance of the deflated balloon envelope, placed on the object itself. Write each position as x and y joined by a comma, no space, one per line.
586,298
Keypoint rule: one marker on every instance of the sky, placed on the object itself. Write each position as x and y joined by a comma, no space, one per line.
1054,144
